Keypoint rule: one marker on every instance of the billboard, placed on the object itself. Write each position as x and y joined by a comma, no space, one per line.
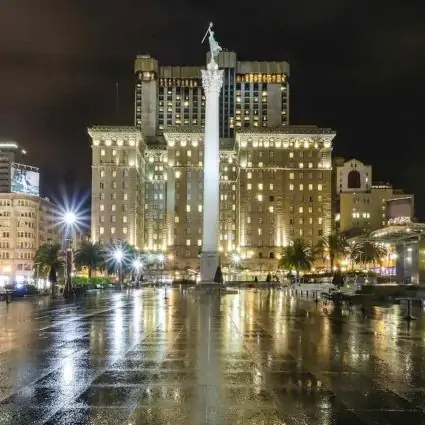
25,179
400,209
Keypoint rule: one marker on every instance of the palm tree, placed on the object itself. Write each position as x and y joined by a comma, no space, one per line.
332,245
372,253
297,256
48,258
89,255
354,253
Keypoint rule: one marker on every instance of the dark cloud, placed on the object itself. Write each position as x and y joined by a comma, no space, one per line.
357,66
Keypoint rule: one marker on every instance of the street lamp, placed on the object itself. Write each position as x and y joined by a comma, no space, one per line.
161,259
69,218
137,264
119,255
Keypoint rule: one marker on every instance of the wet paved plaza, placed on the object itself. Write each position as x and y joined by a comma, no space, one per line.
249,358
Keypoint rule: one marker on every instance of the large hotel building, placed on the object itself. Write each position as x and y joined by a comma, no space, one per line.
276,181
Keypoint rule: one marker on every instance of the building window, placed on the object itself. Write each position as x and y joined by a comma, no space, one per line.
187,208
319,187
102,152
187,242
101,207
291,187
353,180
101,230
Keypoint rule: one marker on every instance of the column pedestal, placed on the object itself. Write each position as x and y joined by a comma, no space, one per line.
209,263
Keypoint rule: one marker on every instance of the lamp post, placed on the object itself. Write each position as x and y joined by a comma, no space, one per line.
137,264
69,219
119,255
161,260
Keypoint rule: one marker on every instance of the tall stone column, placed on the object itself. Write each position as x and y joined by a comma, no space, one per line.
212,81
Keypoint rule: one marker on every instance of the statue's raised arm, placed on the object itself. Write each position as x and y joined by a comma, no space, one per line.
215,48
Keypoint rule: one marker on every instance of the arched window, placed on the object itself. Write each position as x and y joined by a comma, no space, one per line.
353,180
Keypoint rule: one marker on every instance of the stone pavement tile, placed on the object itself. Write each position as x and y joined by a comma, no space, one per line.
160,394
136,364
123,378
176,415
374,399
345,417
238,395
291,379
220,415
390,417
175,377
89,416
21,415
109,396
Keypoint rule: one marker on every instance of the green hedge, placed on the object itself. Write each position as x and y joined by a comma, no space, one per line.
79,280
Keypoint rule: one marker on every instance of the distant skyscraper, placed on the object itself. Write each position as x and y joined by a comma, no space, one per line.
254,94
7,157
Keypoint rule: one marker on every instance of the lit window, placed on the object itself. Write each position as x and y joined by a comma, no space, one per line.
271,208
112,230
113,207
300,209
301,165
114,152
124,230
319,220
102,230
260,197
310,165
187,242
114,173
199,242
291,176
271,186
310,220
102,152
124,219
102,207
291,154
189,153
310,187
199,208
102,173
187,208
259,232
249,175
249,186
301,186
319,198
178,174
319,187
291,187
260,186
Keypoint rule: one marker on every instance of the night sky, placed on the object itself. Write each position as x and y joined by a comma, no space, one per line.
358,66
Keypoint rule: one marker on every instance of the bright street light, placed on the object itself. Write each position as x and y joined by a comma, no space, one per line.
70,218
161,258
118,255
137,264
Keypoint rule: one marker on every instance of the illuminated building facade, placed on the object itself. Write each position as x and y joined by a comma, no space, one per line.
118,169
275,179
26,222
363,205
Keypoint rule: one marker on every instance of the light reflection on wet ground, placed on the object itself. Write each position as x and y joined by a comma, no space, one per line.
256,357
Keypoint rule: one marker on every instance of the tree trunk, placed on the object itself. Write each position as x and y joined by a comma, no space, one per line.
89,271
331,259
